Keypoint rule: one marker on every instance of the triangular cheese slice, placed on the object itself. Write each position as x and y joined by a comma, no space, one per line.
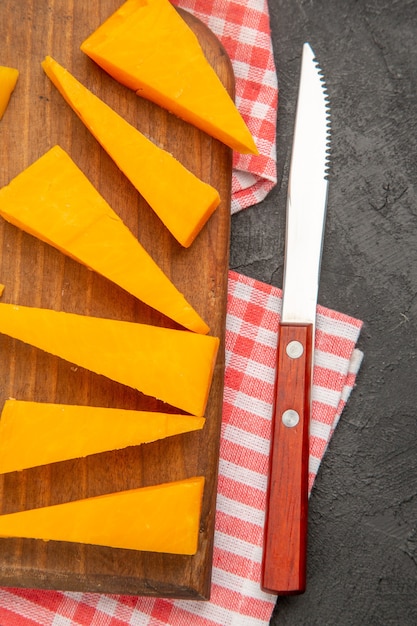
147,46
54,201
39,433
175,366
181,200
8,80
161,518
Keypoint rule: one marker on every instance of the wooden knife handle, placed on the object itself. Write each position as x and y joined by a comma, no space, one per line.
285,541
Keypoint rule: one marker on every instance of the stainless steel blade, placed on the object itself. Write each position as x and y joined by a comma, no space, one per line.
307,195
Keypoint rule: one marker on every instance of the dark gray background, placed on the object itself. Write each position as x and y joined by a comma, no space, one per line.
362,553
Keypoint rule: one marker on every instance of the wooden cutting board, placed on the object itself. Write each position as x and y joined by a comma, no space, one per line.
38,275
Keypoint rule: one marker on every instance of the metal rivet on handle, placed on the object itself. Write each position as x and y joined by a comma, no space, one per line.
294,349
290,418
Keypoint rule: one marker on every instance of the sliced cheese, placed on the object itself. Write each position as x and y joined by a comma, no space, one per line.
175,366
54,201
181,200
8,80
147,46
39,433
161,518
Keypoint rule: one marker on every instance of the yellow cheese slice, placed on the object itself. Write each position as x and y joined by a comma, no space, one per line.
147,46
8,80
161,518
39,433
181,200
175,366
54,201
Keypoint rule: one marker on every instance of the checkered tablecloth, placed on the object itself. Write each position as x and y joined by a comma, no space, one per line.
251,341
244,30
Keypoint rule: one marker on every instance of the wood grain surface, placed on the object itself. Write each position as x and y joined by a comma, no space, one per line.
38,275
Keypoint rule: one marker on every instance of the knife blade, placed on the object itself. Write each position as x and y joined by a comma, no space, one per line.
285,539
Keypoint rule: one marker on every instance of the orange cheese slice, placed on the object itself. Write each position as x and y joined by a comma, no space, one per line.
161,518
147,46
175,366
54,201
181,200
39,433
8,80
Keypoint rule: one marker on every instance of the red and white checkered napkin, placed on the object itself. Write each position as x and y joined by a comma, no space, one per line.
243,28
236,600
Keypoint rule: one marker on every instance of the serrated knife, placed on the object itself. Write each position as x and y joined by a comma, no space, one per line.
285,543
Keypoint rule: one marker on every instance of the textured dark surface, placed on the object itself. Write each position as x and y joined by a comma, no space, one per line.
362,556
